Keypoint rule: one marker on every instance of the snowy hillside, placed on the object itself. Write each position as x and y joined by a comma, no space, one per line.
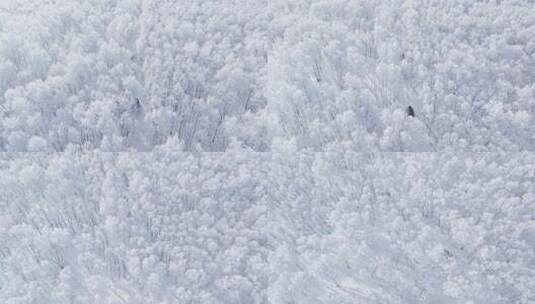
320,75
267,152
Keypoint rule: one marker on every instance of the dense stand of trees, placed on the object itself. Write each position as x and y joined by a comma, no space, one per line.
127,75
267,228
109,228
323,88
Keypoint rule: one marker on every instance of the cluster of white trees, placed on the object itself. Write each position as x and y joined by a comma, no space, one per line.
346,71
129,75
403,228
132,228
267,228
315,84
322,75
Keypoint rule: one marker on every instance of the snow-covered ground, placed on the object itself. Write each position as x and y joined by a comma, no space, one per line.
261,151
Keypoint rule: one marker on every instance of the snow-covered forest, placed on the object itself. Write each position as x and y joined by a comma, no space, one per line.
267,228
321,75
267,151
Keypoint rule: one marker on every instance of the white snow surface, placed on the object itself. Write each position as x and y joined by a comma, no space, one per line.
261,152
